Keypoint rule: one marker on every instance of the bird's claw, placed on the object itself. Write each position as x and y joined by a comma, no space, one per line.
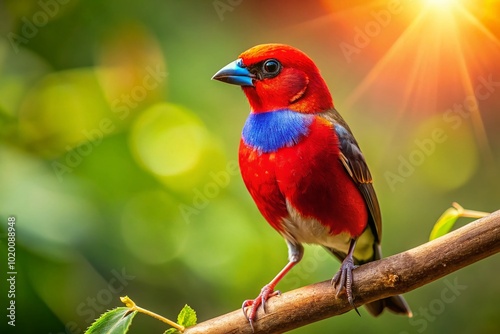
265,293
343,280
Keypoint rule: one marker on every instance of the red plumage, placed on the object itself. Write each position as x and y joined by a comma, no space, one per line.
299,85
299,174
303,167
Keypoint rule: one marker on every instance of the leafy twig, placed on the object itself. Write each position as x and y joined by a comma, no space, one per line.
133,307
446,221
390,276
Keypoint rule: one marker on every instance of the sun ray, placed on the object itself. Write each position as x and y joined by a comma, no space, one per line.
392,53
434,63
477,120
333,14
474,21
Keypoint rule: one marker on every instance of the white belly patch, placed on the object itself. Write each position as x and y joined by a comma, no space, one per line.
299,229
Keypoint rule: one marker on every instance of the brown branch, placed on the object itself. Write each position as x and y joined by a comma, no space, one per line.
390,276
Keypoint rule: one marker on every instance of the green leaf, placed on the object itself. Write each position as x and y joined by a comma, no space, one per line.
187,316
115,321
445,223
171,331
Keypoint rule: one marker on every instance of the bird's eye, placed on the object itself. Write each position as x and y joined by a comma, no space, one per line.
271,67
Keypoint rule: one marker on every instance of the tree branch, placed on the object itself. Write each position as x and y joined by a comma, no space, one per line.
390,276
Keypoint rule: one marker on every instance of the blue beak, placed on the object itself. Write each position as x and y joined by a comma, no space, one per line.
235,73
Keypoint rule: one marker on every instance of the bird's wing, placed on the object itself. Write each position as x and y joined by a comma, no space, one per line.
354,162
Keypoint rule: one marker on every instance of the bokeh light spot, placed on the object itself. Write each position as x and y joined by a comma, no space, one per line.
17,73
54,217
173,144
168,139
451,161
133,70
61,111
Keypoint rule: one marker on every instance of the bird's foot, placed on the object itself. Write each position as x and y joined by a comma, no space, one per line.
265,293
343,280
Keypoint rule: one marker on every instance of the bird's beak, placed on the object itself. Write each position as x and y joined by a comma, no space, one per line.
235,73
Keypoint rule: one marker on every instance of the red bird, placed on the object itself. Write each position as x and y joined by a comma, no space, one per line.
304,169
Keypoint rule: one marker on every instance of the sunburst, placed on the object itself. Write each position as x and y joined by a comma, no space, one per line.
434,52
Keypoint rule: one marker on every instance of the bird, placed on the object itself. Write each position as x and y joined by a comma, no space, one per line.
304,169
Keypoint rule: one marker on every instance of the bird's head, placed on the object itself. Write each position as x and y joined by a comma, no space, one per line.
278,76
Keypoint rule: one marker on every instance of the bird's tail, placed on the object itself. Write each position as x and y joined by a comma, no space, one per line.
396,304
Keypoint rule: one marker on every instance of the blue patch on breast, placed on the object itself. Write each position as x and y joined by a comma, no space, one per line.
270,131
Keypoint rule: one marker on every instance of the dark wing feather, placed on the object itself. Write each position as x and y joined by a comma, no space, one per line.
355,164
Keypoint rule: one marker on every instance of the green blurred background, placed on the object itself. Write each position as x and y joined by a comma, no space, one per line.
118,154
